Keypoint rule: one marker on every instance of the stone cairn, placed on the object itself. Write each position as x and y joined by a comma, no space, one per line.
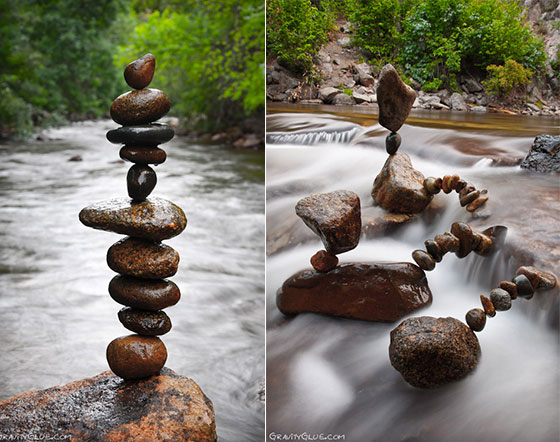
399,188
141,260
430,352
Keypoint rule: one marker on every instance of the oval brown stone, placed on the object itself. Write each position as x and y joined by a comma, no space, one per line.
465,234
482,244
139,73
509,287
469,198
136,357
477,203
323,261
447,242
140,181
145,294
424,260
433,249
155,218
142,259
446,184
488,306
140,107
145,323
476,319
143,155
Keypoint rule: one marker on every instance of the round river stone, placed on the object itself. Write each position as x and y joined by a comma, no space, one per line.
142,259
136,357
139,107
143,155
144,322
430,352
139,73
155,219
140,181
147,134
145,294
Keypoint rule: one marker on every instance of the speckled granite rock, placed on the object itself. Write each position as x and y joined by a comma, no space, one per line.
155,219
430,352
368,291
142,259
394,97
144,294
139,107
145,135
164,408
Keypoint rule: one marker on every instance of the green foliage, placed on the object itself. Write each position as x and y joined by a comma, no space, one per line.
210,58
504,79
296,30
555,63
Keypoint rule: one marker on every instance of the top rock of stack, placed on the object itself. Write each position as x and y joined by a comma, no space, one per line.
139,73
394,97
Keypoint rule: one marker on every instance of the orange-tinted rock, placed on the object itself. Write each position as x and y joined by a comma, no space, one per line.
136,357
430,352
145,294
477,203
465,235
368,291
394,97
139,73
142,259
143,155
155,218
447,242
323,261
488,306
140,107
164,408
399,188
424,260
145,323
335,217
509,287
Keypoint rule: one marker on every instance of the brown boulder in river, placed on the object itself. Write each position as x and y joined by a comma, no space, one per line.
164,408
368,291
394,97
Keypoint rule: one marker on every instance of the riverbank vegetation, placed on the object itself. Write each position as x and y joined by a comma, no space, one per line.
63,59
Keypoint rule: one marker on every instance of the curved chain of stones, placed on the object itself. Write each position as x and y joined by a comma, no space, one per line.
461,240
468,194
525,283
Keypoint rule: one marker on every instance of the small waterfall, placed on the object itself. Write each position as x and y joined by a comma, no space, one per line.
310,138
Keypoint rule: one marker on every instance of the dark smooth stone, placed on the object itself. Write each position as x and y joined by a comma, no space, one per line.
482,244
424,260
544,155
335,217
466,190
477,203
524,287
488,306
145,323
469,198
136,357
143,155
539,280
139,73
392,143
323,261
147,134
431,352
144,294
460,185
476,319
368,291
501,299
509,287
447,242
394,98
465,235
156,219
140,107
140,181
142,259
433,249
430,185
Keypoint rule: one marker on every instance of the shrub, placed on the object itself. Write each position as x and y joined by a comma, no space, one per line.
504,79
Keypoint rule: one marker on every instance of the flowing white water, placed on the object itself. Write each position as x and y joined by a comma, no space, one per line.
333,376
56,316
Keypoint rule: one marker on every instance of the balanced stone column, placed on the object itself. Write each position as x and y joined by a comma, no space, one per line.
141,260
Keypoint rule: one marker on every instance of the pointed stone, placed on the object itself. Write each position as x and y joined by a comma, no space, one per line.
139,73
394,98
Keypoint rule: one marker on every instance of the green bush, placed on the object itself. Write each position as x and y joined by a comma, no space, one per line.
296,30
504,79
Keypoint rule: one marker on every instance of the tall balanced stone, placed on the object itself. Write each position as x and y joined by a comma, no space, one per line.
394,97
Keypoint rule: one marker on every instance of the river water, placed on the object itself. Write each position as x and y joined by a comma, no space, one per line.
56,316
332,376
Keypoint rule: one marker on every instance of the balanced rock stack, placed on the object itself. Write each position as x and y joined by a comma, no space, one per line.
141,260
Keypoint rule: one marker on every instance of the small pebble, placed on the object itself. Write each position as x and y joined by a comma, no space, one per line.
477,203
501,299
323,261
476,319
488,306
392,143
465,235
509,287
424,260
145,323
433,249
539,280
438,182
466,190
140,180
524,286
430,185
454,181
447,242
469,198
460,185
446,184
482,244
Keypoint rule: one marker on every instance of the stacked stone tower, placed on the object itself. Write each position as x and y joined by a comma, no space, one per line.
140,258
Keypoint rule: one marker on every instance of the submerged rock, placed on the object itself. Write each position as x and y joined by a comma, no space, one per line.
394,97
165,408
139,107
430,352
145,294
399,188
335,217
544,155
368,291
155,218
139,73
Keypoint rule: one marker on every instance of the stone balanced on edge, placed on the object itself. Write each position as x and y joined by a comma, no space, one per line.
141,260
